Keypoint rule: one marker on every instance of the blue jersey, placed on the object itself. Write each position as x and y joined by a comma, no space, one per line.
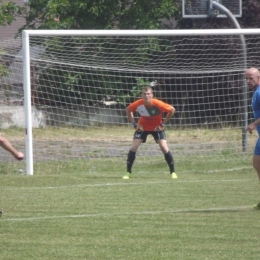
256,106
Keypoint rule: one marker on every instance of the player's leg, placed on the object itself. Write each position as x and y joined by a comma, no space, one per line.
160,138
131,154
8,147
168,157
256,164
139,137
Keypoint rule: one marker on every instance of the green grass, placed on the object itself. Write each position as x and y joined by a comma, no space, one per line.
121,133
85,210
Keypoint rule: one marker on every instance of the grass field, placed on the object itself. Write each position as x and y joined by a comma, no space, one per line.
85,210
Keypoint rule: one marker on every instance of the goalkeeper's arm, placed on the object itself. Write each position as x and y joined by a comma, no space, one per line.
167,118
130,116
252,126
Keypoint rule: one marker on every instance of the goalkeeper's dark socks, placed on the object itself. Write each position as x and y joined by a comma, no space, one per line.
169,159
130,160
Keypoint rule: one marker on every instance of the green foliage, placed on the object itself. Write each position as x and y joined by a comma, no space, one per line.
3,69
84,85
105,14
133,94
100,14
114,14
8,12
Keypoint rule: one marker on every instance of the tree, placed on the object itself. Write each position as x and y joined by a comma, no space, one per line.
89,14
99,14
109,14
8,12
116,14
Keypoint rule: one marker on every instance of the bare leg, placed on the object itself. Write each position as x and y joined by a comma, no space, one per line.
168,156
163,146
135,144
131,154
256,164
8,147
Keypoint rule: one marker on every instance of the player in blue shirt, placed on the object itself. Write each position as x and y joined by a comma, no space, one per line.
253,83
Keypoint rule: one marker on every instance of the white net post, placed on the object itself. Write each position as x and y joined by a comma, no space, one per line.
27,103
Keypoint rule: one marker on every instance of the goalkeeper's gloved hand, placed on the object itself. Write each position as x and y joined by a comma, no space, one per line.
138,127
159,127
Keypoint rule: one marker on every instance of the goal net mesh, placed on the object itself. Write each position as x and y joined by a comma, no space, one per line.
81,86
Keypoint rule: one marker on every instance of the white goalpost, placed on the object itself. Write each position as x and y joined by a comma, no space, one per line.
77,83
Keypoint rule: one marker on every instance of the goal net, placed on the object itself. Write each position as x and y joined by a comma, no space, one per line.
78,84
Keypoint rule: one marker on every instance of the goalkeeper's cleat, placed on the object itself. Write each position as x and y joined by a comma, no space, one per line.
126,176
174,175
1,212
257,206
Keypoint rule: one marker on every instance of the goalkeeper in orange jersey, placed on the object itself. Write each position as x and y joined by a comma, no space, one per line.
150,122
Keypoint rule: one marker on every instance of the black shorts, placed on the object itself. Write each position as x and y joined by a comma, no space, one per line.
160,135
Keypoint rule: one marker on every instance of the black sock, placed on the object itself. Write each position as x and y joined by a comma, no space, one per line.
169,159
130,160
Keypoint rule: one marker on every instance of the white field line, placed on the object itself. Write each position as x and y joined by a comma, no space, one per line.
230,170
126,182
205,210
23,172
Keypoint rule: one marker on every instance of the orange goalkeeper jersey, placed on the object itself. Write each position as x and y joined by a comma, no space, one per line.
150,116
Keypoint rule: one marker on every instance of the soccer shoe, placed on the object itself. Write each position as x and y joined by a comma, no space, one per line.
174,175
257,206
1,212
126,176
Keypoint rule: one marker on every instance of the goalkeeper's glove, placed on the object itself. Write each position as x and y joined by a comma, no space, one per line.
159,127
138,127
